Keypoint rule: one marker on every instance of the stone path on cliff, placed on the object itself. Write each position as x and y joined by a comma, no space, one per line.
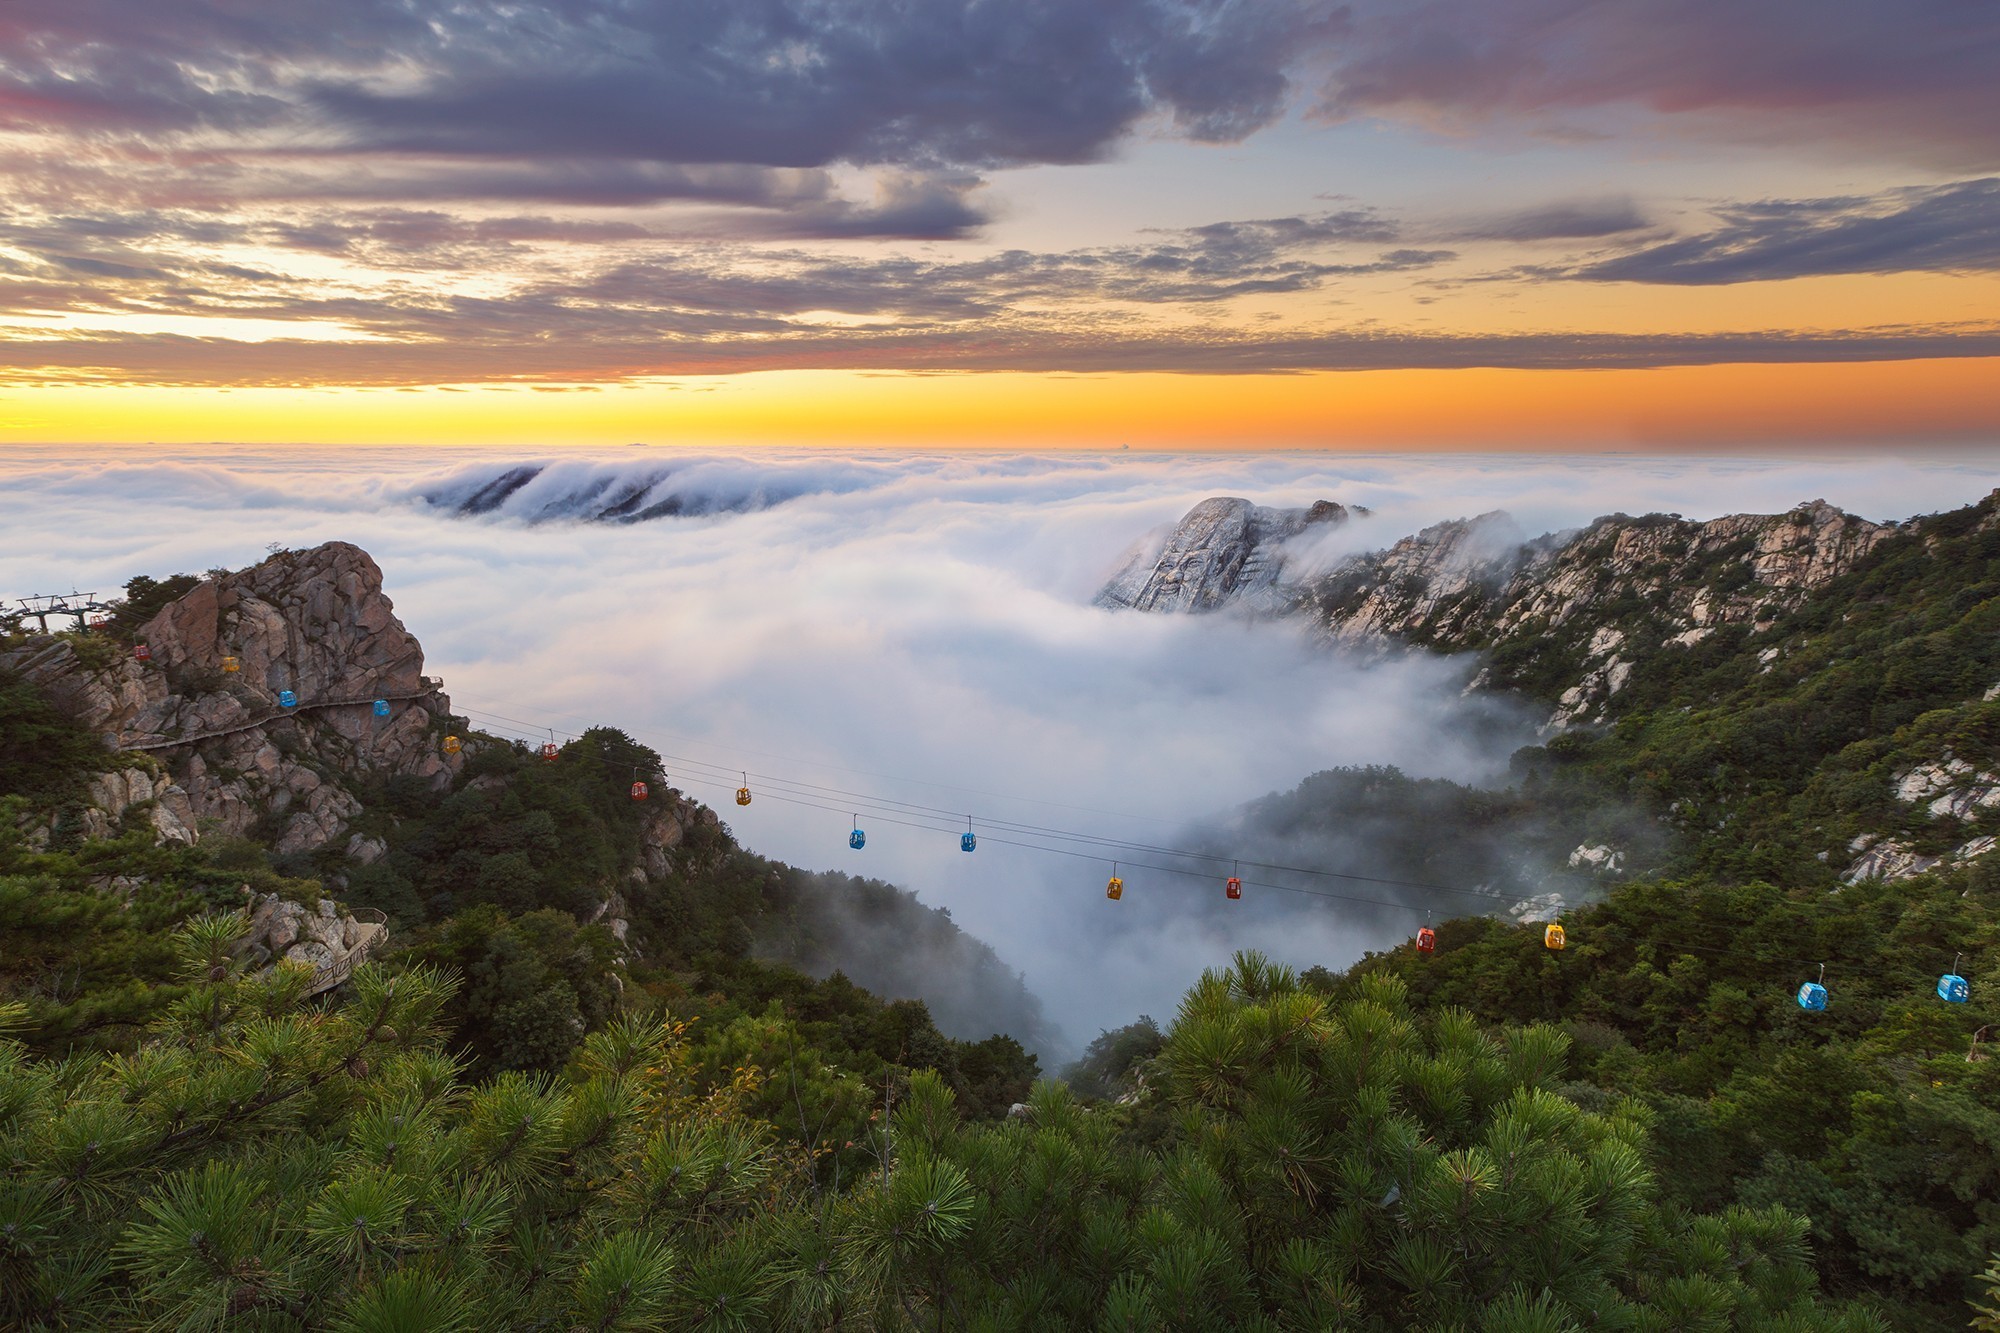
268,718
368,935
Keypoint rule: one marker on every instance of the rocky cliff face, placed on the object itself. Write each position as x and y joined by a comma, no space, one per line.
1589,600
1596,598
209,750
1224,550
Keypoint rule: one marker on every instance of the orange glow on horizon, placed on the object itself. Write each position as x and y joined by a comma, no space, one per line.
1939,401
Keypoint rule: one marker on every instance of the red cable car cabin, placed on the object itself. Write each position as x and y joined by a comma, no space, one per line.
638,791
1232,888
549,751
1427,939
142,653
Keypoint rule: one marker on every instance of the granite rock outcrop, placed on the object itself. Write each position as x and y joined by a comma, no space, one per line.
221,752
1594,598
1223,550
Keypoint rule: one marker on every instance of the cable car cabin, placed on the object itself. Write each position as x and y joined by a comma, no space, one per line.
857,840
1552,936
1812,996
141,653
231,665
1952,988
286,699
638,791
742,796
381,708
967,843
1427,939
1114,889
1232,888
550,753
451,745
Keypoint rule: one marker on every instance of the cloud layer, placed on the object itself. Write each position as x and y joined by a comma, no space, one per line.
1910,80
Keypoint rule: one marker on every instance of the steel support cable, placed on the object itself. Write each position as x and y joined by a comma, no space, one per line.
1294,888
1499,899
879,805
726,781
890,777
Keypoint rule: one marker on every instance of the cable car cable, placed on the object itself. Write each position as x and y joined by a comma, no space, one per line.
1495,899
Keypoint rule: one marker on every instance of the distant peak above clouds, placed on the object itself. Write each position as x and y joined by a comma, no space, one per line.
600,492
1223,550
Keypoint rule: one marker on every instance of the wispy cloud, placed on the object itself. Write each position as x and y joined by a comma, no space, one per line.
1909,80
1939,229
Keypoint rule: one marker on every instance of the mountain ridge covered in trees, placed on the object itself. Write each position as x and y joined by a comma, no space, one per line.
517,1119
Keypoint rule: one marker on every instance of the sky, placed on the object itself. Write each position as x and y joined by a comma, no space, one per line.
1676,225
918,627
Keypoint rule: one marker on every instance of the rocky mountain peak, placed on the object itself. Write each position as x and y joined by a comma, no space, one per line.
1224,549
1597,598
215,749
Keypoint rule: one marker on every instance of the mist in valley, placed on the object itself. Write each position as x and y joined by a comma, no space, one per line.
905,642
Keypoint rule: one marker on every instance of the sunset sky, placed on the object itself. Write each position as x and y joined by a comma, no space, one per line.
1155,223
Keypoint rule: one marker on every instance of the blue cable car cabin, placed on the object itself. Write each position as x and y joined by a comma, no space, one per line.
857,839
381,708
286,699
966,842
1952,989
1812,996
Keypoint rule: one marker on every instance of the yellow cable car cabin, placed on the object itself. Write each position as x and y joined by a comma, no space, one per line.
1552,936
231,665
1114,889
742,796
451,745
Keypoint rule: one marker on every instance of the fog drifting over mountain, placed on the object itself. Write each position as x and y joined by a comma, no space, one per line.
915,628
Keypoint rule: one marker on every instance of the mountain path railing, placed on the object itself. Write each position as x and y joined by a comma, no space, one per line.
213,732
327,977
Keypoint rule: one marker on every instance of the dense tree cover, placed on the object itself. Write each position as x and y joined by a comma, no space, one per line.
726,1142
263,1163
1878,1119
44,755
1766,748
504,882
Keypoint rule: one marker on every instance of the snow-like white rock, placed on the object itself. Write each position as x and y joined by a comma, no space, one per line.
1888,861
1599,856
1538,909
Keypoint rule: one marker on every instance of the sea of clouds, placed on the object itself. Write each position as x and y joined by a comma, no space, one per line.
915,628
